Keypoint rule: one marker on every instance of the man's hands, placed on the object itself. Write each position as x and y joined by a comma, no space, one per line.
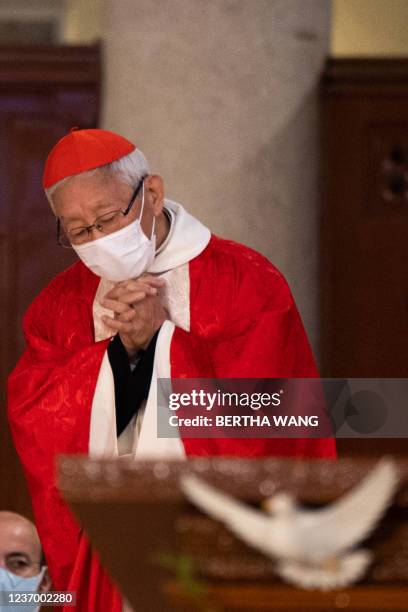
138,311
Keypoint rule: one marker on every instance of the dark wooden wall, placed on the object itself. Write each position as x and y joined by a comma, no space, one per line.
364,224
43,92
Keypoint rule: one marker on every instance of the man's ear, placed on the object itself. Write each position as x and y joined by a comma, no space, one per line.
155,189
45,584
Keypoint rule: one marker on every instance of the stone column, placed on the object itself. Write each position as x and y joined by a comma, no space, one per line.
221,97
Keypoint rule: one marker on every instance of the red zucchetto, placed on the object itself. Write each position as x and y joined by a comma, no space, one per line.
83,150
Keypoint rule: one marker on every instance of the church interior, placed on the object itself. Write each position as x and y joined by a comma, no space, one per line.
281,125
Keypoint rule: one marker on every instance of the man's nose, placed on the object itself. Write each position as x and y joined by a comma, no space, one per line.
94,233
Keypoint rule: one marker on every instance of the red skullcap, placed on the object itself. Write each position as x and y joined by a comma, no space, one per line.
82,150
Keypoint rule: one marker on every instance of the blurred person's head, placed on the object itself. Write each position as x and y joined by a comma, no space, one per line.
22,563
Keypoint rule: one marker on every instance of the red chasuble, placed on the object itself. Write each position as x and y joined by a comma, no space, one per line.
243,323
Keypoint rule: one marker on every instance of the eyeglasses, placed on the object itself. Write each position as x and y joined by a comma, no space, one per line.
20,565
107,223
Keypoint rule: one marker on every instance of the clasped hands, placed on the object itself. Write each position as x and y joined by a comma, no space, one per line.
138,311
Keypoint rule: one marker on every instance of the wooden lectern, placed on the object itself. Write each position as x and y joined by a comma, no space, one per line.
166,555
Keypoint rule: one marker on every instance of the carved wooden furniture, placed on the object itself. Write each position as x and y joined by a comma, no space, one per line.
167,555
364,218
364,226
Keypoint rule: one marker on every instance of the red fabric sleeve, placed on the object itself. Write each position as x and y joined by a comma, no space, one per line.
50,396
244,324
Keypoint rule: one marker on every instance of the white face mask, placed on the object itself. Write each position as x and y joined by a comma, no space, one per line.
12,583
122,255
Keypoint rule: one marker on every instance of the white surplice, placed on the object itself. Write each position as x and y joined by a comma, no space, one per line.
187,238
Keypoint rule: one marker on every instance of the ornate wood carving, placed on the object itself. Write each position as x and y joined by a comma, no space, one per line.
129,492
364,227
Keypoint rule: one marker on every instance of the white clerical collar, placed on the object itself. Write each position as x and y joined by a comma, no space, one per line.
186,239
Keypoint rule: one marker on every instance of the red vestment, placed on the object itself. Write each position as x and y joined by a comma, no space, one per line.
243,323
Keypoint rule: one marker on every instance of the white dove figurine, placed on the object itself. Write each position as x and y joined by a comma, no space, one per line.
312,548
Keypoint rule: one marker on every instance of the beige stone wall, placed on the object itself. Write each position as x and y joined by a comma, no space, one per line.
370,28
359,27
82,23
221,96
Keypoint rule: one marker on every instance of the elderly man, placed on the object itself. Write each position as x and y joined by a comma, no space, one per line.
155,295
22,566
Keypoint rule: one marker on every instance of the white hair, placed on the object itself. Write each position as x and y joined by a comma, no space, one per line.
130,169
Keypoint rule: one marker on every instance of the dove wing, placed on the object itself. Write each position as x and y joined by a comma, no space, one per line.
251,526
351,519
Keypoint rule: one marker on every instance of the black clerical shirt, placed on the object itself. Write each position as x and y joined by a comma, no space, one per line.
131,386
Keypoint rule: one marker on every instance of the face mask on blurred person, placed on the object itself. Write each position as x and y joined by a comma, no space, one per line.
12,583
123,255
